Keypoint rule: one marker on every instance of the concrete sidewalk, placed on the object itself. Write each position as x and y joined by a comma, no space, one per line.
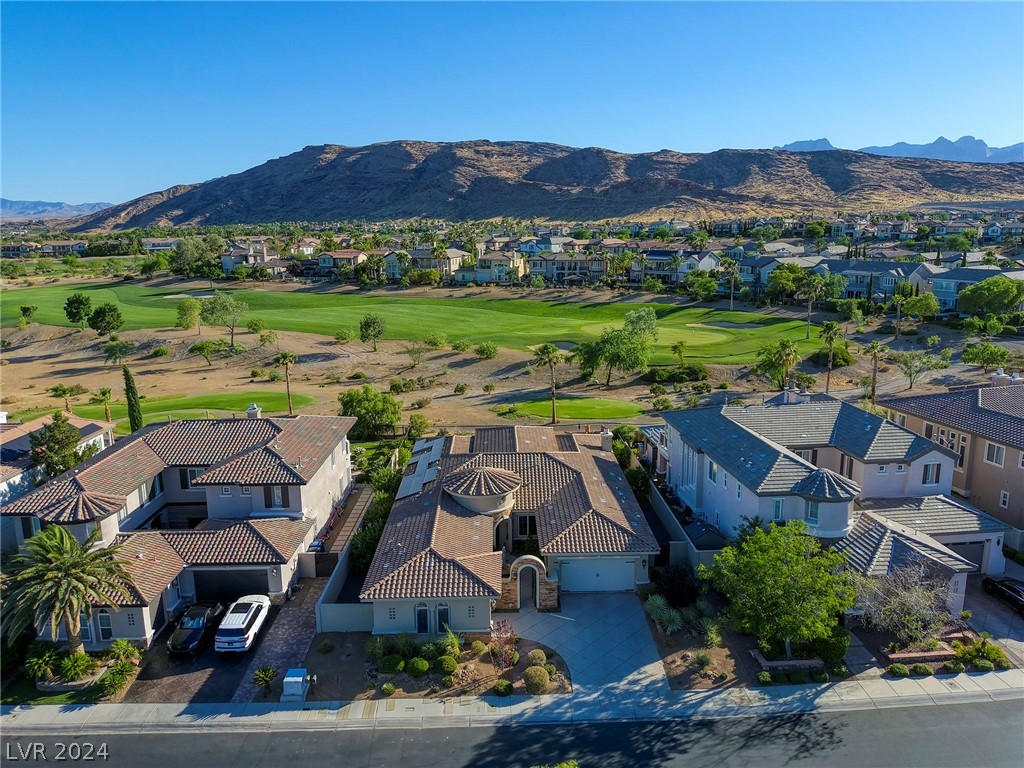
580,707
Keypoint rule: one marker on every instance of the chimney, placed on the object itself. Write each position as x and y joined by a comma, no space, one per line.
606,440
253,412
1015,379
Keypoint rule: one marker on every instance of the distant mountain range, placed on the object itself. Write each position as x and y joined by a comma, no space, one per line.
484,180
966,149
39,209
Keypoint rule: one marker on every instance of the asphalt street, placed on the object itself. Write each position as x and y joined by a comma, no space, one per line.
985,735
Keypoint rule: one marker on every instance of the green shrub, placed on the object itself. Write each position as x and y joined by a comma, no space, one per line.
391,665
953,667
113,682
797,677
43,662
764,677
920,669
819,676
712,635
448,681
487,350
418,667
779,677
503,687
701,659
898,670
257,373
161,351
550,670
461,389
388,689
274,375
930,644
436,340
357,375
76,667
445,665
537,658
122,650
264,676
841,356
477,648
965,615
460,345
840,670
406,645
658,389
536,679
325,647
514,658
983,665
378,647
430,651
831,649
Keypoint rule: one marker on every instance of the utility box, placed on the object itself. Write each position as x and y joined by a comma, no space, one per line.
296,685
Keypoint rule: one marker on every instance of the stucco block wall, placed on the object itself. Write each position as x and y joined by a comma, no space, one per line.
405,615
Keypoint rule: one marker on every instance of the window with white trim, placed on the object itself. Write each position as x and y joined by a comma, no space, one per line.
812,512
225,490
777,508
995,454
527,525
246,490
713,472
192,474
103,619
901,469
1004,499
931,474
929,430
86,628
122,513
883,469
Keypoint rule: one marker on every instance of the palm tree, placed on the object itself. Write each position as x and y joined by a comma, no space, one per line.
286,360
812,288
830,333
54,580
675,261
63,391
898,301
549,355
731,270
875,348
789,356
102,398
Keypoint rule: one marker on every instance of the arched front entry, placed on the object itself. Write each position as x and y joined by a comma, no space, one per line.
529,586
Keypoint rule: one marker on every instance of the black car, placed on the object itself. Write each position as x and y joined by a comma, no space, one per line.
194,628
1010,591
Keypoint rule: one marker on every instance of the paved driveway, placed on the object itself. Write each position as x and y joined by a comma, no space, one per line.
209,678
994,616
603,639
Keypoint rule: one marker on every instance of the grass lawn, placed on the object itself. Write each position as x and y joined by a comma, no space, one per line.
581,408
22,690
185,407
712,335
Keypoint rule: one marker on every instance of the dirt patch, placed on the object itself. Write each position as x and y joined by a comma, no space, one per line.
729,665
345,672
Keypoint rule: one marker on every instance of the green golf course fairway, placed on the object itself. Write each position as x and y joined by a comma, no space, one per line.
186,407
509,322
570,407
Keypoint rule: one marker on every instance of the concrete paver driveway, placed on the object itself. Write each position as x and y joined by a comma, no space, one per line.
603,639
994,616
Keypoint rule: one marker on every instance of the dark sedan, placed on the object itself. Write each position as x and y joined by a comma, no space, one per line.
195,628
1010,591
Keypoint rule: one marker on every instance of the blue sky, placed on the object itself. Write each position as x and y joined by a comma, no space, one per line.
111,101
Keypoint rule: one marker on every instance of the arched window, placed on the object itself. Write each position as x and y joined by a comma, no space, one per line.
106,629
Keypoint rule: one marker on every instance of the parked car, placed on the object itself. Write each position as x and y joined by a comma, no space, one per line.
241,623
194,628
1010,591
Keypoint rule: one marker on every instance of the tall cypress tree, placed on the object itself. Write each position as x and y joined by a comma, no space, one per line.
131,394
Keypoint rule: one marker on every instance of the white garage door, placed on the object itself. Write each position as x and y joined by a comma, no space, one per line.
596,576
973,551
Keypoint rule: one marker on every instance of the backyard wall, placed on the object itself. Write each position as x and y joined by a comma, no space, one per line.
342,617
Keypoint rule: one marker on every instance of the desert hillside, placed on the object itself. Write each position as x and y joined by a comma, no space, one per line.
483,179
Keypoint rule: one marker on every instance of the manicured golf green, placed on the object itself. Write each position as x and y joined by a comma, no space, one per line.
156,409
711,335
581,408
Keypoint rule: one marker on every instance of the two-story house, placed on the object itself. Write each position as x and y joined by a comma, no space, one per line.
948,285
201,509
63,247
878,279
331,261
828,463
985,428
159,244
503,267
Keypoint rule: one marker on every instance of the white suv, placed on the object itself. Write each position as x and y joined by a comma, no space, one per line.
241,623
